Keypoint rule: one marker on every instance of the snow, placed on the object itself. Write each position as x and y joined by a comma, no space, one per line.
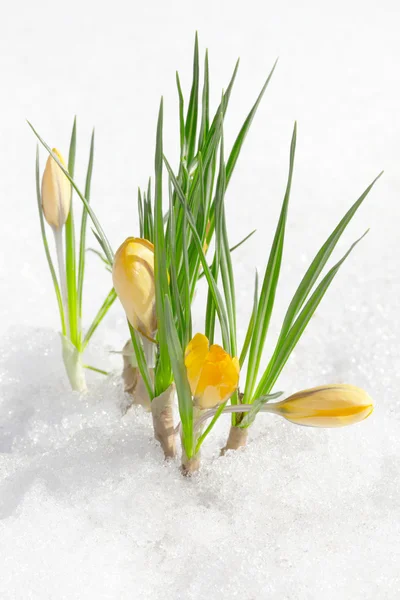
88,508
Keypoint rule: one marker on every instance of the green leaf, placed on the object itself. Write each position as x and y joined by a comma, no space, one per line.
250,328
267,296
181,116
140,213
82,239
70,259
182,385
46,247
219,303
205,105
141,361
108,302
318,264
163,367
100,233
256,406
237,146
280,357
191,117
235,247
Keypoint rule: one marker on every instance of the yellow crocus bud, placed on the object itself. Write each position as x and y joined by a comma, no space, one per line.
56,192
326,406
133,278
212,373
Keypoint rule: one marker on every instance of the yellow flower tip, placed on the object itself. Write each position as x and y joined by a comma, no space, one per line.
326,406
212,373
133,279
56,192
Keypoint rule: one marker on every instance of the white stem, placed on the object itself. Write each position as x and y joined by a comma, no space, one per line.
237,408
149,349
58,238
73,365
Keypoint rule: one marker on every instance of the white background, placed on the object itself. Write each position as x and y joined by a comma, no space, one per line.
301,513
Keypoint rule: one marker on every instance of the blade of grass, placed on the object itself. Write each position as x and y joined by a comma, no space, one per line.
205,105
250,328
279,359
219,303
193,107
82,239
141,360
235,247
96,370
100,233
46,247
181,117
237,146
267,295
140,214
108,302
70,258
181,382
163,368
319,262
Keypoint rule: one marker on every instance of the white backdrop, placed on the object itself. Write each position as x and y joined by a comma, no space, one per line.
108,63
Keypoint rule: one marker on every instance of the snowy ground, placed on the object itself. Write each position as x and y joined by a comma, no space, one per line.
88,509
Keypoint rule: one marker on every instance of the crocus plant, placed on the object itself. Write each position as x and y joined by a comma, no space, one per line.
155,277
54,198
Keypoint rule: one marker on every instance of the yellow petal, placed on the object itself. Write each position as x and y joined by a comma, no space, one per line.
195,356
56,192
326,406
133,278
212,373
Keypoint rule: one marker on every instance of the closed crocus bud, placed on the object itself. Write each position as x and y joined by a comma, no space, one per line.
326,406
212,373
133,278
56,192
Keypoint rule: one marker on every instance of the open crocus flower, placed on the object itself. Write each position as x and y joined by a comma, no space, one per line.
326,406
133,278
56,192
212,373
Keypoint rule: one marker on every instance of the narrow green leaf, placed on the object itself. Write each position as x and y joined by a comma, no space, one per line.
280,358
163,367
108,302
257,405
181,116
205,105
318,264
82,238
102,257
46,247
267,296
70,258
141,361
250,328
205,433
182,385
219,303
237,146
140,213
235,247
191,117
248,236
100,233
96,370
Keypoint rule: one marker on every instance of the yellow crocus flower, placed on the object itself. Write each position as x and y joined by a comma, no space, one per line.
56,192
212,373
334,405
133,278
